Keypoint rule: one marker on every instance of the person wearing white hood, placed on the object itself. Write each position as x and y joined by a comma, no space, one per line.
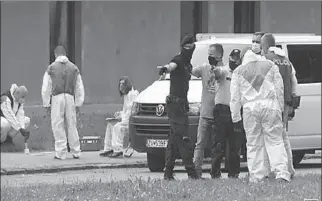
257,86
63,93
256,42
278,56
13,119
117,137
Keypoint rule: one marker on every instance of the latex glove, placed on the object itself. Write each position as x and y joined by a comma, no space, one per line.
77,111
162,70
117,115
48,111
238,126
25,133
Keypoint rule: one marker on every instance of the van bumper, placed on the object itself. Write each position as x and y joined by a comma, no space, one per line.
142,128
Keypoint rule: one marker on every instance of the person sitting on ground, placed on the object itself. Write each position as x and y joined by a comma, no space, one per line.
114,137
13,119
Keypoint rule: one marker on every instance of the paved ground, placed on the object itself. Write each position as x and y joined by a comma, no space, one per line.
43,162
18,163
108,175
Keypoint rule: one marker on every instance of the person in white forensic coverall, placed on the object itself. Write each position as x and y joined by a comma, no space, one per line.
13,119
257,86
115,136
288,73
63,94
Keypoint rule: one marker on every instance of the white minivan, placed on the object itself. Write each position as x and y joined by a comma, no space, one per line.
149,128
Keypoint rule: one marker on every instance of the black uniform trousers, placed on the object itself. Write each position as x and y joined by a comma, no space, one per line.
224,132
178,139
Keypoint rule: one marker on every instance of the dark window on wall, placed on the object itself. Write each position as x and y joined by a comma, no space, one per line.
191,17
306,60
197,17
244,16
62,27
0,33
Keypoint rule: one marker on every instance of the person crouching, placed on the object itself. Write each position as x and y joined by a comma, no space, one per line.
13,119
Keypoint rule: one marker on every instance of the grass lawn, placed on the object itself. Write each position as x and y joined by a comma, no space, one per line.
137,189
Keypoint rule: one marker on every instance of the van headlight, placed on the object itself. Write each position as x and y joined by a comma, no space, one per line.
135,108
194,109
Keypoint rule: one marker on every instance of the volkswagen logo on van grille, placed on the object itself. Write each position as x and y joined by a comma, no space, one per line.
159,110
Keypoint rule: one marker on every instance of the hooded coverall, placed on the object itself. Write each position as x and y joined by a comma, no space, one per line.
114,137
257,86
288,74
12,115
63,91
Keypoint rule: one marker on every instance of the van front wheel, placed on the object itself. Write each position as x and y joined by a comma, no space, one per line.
156,163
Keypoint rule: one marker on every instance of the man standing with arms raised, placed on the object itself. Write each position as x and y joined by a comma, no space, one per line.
178,107
206,120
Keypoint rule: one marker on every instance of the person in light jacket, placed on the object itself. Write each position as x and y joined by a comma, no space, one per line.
114,137
13,119
63,94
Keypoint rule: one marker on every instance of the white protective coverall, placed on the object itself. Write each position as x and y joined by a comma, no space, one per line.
60,81
287,109
114,136
14,117
257,86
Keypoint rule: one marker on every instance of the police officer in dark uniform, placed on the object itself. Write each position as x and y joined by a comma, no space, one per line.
224,127
177,108
234,62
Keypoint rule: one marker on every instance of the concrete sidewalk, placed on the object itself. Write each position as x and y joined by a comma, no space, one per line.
44,162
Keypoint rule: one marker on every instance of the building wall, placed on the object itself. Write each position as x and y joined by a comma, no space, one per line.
220,16
126,38
24,46
288,17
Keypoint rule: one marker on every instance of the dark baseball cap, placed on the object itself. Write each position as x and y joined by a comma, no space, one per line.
235,53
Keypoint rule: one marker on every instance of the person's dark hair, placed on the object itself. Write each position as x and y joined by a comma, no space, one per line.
269,39
60,50
187,39
128,85
218,48
259,33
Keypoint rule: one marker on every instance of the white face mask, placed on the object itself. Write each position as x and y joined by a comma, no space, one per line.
256,48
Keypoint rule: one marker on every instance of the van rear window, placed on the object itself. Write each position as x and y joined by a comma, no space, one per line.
306,60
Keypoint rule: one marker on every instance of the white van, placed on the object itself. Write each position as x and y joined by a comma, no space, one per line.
149,129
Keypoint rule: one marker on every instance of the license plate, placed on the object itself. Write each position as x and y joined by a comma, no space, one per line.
156,143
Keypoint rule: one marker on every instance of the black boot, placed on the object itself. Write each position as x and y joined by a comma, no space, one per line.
192,173
168,175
